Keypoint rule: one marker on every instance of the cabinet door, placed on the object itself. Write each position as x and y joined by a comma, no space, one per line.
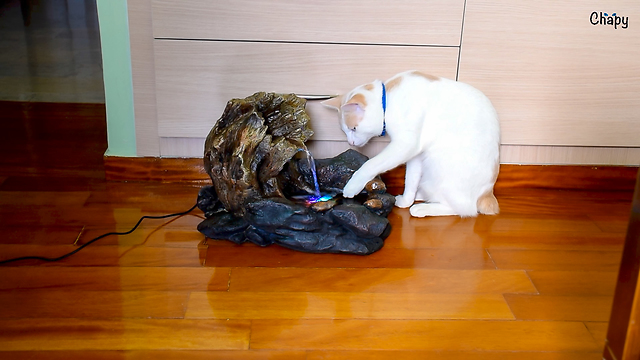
554,77
408,22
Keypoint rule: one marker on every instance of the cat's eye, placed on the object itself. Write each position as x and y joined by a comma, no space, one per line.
353,128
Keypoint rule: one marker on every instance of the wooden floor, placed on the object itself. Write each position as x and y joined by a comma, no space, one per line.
535,282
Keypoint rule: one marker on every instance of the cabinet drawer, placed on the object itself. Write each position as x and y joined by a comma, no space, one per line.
416,22
195,79
554,78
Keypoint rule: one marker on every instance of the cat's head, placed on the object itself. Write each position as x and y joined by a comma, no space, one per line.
361,113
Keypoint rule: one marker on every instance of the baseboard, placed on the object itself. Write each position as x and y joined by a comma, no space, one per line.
568,177
155,169
560,177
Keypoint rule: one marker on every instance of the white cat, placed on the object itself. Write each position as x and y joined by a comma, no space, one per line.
447,133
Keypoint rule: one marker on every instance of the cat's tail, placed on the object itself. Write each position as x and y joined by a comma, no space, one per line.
488,204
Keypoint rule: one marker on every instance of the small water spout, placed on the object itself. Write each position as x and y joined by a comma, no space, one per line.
312,166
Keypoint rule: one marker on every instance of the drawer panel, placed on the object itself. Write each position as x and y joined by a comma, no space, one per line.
432,22
555,78
195,79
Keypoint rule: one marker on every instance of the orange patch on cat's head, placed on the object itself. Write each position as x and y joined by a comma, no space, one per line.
394,82
369,87
351,118
426,76
357,99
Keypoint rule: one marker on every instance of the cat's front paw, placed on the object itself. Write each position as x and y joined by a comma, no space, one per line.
403,201
352,189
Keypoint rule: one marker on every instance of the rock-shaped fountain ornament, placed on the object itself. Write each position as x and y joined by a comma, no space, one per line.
268,189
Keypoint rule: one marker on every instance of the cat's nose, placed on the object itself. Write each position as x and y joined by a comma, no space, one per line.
351,139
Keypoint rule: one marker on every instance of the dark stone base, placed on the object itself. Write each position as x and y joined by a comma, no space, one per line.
353,226
346,228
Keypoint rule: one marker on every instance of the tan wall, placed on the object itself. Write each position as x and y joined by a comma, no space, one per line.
566,91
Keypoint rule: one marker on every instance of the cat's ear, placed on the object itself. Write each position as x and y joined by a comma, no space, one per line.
352,108
357,99
352,113
333,103
355,104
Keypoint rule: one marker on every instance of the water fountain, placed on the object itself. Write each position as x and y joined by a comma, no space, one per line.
267,188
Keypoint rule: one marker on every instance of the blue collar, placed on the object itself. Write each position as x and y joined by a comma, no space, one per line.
384,110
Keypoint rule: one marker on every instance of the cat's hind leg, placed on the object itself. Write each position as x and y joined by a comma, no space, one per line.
488,204
421,195
449,204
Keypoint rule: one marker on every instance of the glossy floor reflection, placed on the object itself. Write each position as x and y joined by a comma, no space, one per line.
534,282
55,57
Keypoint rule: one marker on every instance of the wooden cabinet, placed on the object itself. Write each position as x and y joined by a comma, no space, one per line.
209,52
623,335
566,91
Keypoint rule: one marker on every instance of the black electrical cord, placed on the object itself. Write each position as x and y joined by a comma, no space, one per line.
96,239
